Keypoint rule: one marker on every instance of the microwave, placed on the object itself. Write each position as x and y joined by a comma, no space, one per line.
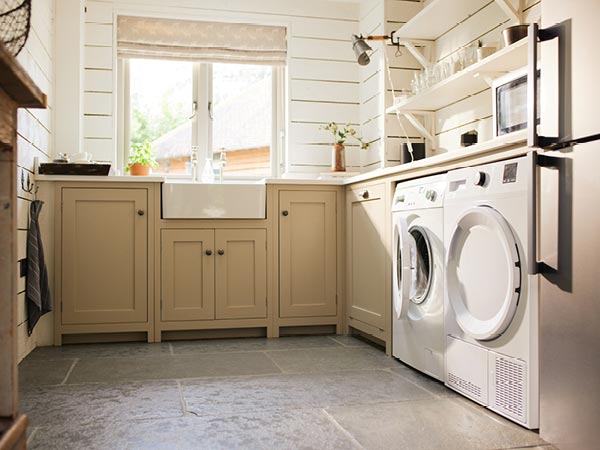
509,94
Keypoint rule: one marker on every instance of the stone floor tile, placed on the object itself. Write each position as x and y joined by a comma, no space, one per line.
331,359
33,373
249,345
112,350
114,370
432,385
89,403
445,424
281,430
293,391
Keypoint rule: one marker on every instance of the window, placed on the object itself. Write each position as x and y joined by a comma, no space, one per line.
242,117
160,95
219,107
216,86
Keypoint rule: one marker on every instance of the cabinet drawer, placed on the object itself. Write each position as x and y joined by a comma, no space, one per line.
375,192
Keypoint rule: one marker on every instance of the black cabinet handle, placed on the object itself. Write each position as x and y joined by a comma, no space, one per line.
285,213
140,212
221,251
208,252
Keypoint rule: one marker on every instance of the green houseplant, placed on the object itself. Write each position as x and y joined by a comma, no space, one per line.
141,159
340,134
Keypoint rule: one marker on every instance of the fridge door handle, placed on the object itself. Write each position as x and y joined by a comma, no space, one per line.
535,35
537,160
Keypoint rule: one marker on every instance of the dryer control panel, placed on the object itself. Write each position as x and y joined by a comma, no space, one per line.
500,179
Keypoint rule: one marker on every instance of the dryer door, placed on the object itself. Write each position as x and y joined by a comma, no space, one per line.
483,273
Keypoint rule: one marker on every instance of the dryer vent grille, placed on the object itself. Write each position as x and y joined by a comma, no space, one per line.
464,385
510,377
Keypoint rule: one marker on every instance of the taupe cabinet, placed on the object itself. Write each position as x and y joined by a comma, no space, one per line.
367,259
104,253
211,274
307,254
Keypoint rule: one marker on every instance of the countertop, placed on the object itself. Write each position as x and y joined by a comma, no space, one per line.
495,146
110,178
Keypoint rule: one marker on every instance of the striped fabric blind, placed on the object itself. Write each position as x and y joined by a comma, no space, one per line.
154,38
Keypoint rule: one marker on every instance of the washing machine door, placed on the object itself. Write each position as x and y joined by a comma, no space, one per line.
404,256
421,270
413,264
483,275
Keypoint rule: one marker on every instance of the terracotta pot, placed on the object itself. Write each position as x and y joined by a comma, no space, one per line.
338,158
139,169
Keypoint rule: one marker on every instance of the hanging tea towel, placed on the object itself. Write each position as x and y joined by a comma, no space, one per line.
37,291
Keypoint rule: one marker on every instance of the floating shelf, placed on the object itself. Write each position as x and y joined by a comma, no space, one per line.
469,81
437,17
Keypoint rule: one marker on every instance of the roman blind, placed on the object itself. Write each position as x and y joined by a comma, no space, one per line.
149,37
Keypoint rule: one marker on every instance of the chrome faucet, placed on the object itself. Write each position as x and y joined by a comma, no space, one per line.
222,163
194,163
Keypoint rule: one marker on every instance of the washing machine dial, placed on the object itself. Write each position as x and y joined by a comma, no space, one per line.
479,178
431,195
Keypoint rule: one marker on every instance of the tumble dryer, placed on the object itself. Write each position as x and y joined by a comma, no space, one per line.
491,303
418,274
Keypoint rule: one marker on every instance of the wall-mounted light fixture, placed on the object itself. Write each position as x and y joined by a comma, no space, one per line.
363,51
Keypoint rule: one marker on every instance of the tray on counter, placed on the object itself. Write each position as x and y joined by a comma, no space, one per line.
74,169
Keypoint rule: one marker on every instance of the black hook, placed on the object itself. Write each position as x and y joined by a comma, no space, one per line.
31,188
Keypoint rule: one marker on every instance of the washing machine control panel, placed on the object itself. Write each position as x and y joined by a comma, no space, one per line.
419,197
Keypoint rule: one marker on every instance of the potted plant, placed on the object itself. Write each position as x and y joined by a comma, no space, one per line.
340,134
141,159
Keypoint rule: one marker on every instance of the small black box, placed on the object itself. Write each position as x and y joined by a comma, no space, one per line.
418,152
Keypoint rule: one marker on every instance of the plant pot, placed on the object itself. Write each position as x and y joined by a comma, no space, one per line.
338,158
139,169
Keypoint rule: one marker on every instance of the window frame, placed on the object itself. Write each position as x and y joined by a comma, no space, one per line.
201,122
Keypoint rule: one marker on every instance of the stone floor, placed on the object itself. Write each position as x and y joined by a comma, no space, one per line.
313,392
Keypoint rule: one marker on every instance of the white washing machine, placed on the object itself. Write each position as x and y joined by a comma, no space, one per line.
491,312
418,274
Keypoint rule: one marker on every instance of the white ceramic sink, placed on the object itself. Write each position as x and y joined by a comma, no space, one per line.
226,200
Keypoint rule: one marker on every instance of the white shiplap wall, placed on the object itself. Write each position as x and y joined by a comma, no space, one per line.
35,139
371,87
322,74
379,17
402,67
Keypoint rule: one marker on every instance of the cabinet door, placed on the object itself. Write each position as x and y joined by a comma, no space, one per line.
307,254
366,255
187,275
104,256
241,274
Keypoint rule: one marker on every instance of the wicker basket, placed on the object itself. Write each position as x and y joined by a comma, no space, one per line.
15,20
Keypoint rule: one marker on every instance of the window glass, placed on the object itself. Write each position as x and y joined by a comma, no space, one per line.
242,116
160,107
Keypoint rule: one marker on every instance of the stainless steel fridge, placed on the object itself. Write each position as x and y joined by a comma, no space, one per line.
567,47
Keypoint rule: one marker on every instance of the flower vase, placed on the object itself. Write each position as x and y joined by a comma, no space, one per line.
338,158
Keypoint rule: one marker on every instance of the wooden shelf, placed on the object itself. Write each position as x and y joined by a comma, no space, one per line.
17,84
437,17
466,82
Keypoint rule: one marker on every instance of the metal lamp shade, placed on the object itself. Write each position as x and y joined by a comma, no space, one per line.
361,49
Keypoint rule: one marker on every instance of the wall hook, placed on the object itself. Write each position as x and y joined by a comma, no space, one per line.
28,186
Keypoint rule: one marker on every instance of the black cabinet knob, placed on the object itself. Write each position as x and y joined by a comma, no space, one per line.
140,212
221,251
285,213
208,252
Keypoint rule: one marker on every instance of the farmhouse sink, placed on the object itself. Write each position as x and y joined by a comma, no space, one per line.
225,200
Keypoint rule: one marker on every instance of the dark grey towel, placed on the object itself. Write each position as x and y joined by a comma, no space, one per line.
37,291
